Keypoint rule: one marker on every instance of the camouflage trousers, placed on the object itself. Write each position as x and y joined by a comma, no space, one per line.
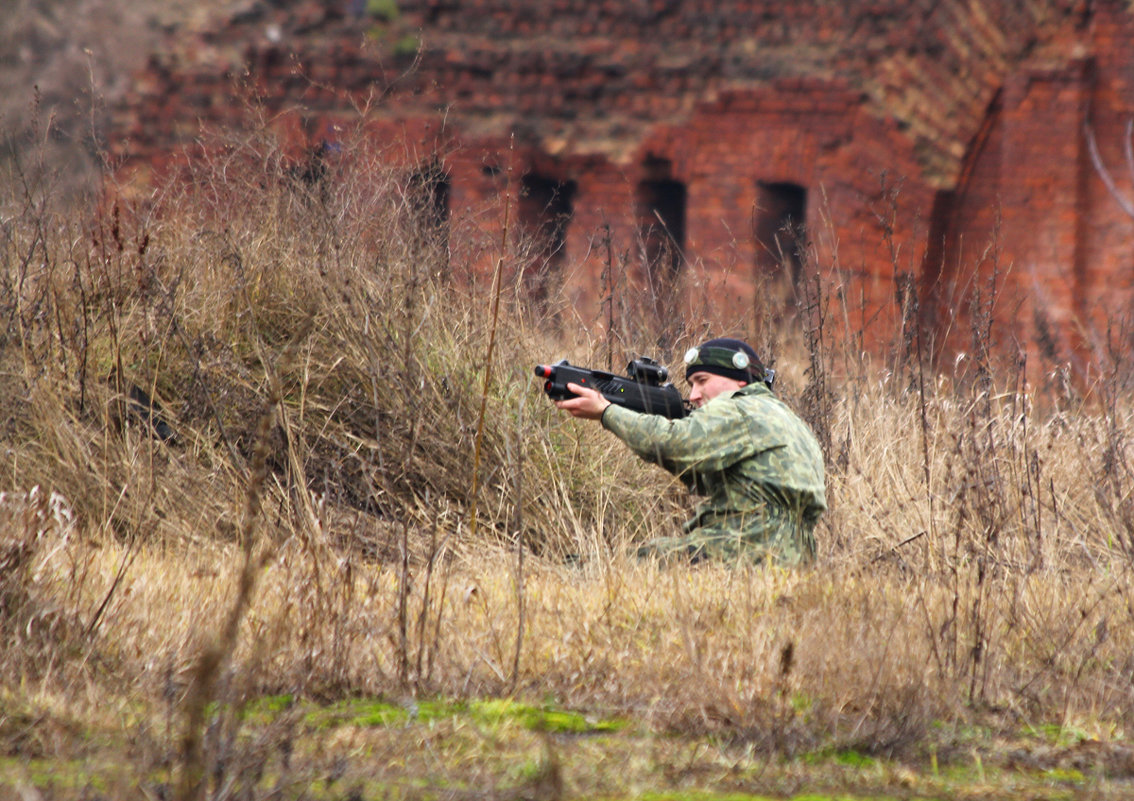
773,536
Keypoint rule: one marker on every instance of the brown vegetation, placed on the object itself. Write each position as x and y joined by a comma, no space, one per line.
65,63
239,421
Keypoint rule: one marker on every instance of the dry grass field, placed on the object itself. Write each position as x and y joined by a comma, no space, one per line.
285,514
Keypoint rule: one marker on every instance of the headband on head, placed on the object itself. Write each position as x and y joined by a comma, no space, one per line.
730,358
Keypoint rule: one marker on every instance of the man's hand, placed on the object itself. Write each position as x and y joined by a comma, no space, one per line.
589,405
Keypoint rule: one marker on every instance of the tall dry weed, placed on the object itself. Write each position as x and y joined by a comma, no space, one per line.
974,565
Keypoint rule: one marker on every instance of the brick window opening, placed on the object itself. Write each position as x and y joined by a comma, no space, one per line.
661,205
779,228
938,284
428,196
544,211
428,201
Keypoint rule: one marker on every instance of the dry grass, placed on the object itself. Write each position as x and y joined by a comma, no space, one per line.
975,562
65,64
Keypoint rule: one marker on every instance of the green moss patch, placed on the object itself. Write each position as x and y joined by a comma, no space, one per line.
491,712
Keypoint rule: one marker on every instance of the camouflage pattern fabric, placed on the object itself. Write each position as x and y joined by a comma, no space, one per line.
758,462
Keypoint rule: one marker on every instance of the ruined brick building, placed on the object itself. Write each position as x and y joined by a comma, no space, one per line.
903,149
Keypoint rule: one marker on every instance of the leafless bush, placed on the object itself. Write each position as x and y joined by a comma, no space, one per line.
34,525
974,561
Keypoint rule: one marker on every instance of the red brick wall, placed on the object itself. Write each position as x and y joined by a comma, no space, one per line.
1031,208
854,167
950,147
1107,260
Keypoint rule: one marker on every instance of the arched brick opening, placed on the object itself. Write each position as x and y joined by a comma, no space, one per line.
661,211
544,211
780,230
428,195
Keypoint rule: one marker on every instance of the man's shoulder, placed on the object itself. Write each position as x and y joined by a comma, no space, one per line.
755,390
758,396
741,396
771,412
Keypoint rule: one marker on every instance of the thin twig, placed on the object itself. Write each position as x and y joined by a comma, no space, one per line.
496,290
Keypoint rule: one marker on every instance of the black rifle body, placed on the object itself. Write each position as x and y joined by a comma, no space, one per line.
644,396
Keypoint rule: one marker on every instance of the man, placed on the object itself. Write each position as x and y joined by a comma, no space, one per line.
758,462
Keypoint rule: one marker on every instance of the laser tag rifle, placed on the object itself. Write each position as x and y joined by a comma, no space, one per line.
644,389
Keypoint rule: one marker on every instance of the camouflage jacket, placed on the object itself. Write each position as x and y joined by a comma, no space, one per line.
756,460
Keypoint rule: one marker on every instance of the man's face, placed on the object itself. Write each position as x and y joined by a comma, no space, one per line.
706,386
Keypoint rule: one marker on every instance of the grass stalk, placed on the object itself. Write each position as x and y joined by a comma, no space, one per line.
496,291
218,651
